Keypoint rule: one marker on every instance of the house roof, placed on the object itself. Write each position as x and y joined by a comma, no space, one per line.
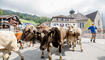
92,15
10,16
78,16
60,16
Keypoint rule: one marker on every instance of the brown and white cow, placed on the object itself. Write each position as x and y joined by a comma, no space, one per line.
74,36
55,37
29,34
8,43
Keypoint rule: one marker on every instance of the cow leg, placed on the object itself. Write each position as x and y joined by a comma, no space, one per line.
49,52
80,45
5,55
63,46
69,43
60,50
42,55
30,44
19,53
74,44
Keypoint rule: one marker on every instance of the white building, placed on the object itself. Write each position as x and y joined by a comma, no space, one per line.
78,20
62,21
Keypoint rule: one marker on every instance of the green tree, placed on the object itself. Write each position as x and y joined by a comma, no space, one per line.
88,23
1,12
71,12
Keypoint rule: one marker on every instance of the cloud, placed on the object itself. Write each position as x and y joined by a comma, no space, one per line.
52,7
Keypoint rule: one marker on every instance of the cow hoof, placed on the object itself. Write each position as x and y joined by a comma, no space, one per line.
60,58
75,46
42,56
22,58
63,47
73,50
81,50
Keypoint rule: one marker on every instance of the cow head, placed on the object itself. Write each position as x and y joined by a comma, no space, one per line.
28,34
71,27
25,34
51,37
39,36
47,39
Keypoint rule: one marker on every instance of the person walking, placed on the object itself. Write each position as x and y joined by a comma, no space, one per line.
93,32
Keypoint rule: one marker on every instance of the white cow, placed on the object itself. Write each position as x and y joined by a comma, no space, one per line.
8,43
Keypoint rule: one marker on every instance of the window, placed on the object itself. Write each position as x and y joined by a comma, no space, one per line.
74,24
54,24
81,25
64,19
69,19
59,19
66,25
98,22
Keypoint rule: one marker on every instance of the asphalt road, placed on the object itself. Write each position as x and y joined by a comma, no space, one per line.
92,51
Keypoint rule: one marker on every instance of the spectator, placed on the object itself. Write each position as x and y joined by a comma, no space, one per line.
93,32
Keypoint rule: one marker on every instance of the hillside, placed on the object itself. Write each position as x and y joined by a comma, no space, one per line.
26,18
30,21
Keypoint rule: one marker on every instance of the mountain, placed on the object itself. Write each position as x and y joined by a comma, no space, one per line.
19,14
28,17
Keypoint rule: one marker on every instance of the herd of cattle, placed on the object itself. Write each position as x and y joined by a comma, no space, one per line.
46,36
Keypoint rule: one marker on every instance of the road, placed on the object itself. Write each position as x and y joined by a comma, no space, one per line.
92,51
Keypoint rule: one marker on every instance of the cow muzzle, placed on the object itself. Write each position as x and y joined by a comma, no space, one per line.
70,31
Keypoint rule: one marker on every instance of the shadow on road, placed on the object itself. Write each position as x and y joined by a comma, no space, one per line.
101,58
31,55
35,54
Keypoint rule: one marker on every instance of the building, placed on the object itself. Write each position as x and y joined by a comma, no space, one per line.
45,24
78,20
96,19
9,20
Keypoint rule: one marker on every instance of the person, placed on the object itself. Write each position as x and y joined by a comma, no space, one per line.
18,35
93,32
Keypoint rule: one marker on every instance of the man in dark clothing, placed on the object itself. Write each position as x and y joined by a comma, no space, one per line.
93,32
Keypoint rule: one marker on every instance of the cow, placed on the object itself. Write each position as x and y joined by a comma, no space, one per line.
43,29
29,34
74,36
8,43
56,37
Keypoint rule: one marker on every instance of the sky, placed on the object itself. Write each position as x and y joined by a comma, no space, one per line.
53,7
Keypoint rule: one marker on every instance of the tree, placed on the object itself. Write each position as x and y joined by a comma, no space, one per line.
1,12
72,12
88,23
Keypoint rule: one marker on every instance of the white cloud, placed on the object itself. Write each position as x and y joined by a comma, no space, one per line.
52,7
